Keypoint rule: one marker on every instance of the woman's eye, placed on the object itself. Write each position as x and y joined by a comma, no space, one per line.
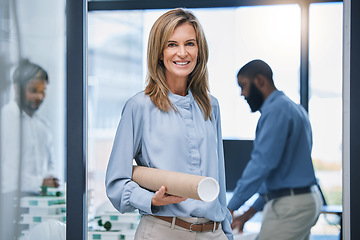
190,44
171,45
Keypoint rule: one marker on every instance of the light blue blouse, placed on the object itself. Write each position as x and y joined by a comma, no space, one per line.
180,141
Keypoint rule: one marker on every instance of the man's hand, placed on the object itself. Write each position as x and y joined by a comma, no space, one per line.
239,221
162,198
51,182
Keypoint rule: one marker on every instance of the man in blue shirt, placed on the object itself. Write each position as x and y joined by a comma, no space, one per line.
280,169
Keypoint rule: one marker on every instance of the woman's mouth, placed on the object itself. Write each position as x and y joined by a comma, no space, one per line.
182,63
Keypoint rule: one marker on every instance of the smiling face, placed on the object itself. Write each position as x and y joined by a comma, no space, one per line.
180,54
33,95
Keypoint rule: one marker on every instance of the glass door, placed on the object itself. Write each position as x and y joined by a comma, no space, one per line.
32,101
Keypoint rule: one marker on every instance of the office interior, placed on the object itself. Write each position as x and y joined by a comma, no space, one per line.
95,54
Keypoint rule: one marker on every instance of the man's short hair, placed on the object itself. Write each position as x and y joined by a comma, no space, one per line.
27,71
256,67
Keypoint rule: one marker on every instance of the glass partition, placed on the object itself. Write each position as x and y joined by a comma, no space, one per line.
32,67
117,70
325,104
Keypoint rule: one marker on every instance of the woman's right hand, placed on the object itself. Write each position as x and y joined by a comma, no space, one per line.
162,198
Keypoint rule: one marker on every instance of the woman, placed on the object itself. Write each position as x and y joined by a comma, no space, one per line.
173,125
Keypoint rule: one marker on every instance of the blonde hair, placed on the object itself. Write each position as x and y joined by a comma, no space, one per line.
157,87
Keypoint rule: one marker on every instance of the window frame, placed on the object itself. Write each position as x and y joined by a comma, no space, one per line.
76,95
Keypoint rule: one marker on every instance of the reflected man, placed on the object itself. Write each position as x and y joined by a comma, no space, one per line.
280,168
26,146
20,118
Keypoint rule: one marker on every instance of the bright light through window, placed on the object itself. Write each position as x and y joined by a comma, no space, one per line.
325,105
236,36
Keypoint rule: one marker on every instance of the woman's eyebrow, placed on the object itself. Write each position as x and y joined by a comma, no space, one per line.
189,40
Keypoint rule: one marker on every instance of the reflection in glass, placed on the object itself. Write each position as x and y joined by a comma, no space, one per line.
32,119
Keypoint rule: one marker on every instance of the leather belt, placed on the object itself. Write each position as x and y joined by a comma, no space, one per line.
286,192
194,227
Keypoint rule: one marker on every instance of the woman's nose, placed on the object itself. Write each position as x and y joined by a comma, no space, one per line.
182,51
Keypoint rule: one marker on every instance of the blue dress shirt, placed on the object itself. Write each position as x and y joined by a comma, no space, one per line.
281,156
180,141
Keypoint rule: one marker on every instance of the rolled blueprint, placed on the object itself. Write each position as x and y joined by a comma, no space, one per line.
177,184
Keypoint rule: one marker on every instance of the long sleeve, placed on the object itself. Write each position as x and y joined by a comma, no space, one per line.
31,144
51,159
125,194
269,145
10,153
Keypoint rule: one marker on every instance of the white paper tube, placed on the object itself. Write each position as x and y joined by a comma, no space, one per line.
177,184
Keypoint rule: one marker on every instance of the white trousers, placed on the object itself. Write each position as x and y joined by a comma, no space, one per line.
151,228
291,217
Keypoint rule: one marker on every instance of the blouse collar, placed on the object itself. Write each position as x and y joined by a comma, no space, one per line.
181,101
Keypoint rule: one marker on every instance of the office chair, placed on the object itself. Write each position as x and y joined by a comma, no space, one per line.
332,213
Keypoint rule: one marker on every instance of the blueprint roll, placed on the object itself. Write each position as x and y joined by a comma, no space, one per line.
177,184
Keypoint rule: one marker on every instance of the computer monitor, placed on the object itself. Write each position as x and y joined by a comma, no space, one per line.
237,154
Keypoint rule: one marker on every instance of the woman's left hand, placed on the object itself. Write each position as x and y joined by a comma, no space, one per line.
162,198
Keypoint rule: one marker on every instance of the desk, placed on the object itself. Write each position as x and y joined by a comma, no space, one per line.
332,209
245,236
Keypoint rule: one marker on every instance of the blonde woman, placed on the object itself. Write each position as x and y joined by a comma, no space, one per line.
173,125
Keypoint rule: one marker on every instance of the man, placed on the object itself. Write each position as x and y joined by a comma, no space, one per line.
30,82
26,144
280,168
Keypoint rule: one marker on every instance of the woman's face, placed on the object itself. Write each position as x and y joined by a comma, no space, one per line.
181,52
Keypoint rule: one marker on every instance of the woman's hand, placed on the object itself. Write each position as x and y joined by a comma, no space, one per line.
162,198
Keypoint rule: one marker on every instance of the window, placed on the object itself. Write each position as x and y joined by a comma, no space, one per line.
325,104
117,69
